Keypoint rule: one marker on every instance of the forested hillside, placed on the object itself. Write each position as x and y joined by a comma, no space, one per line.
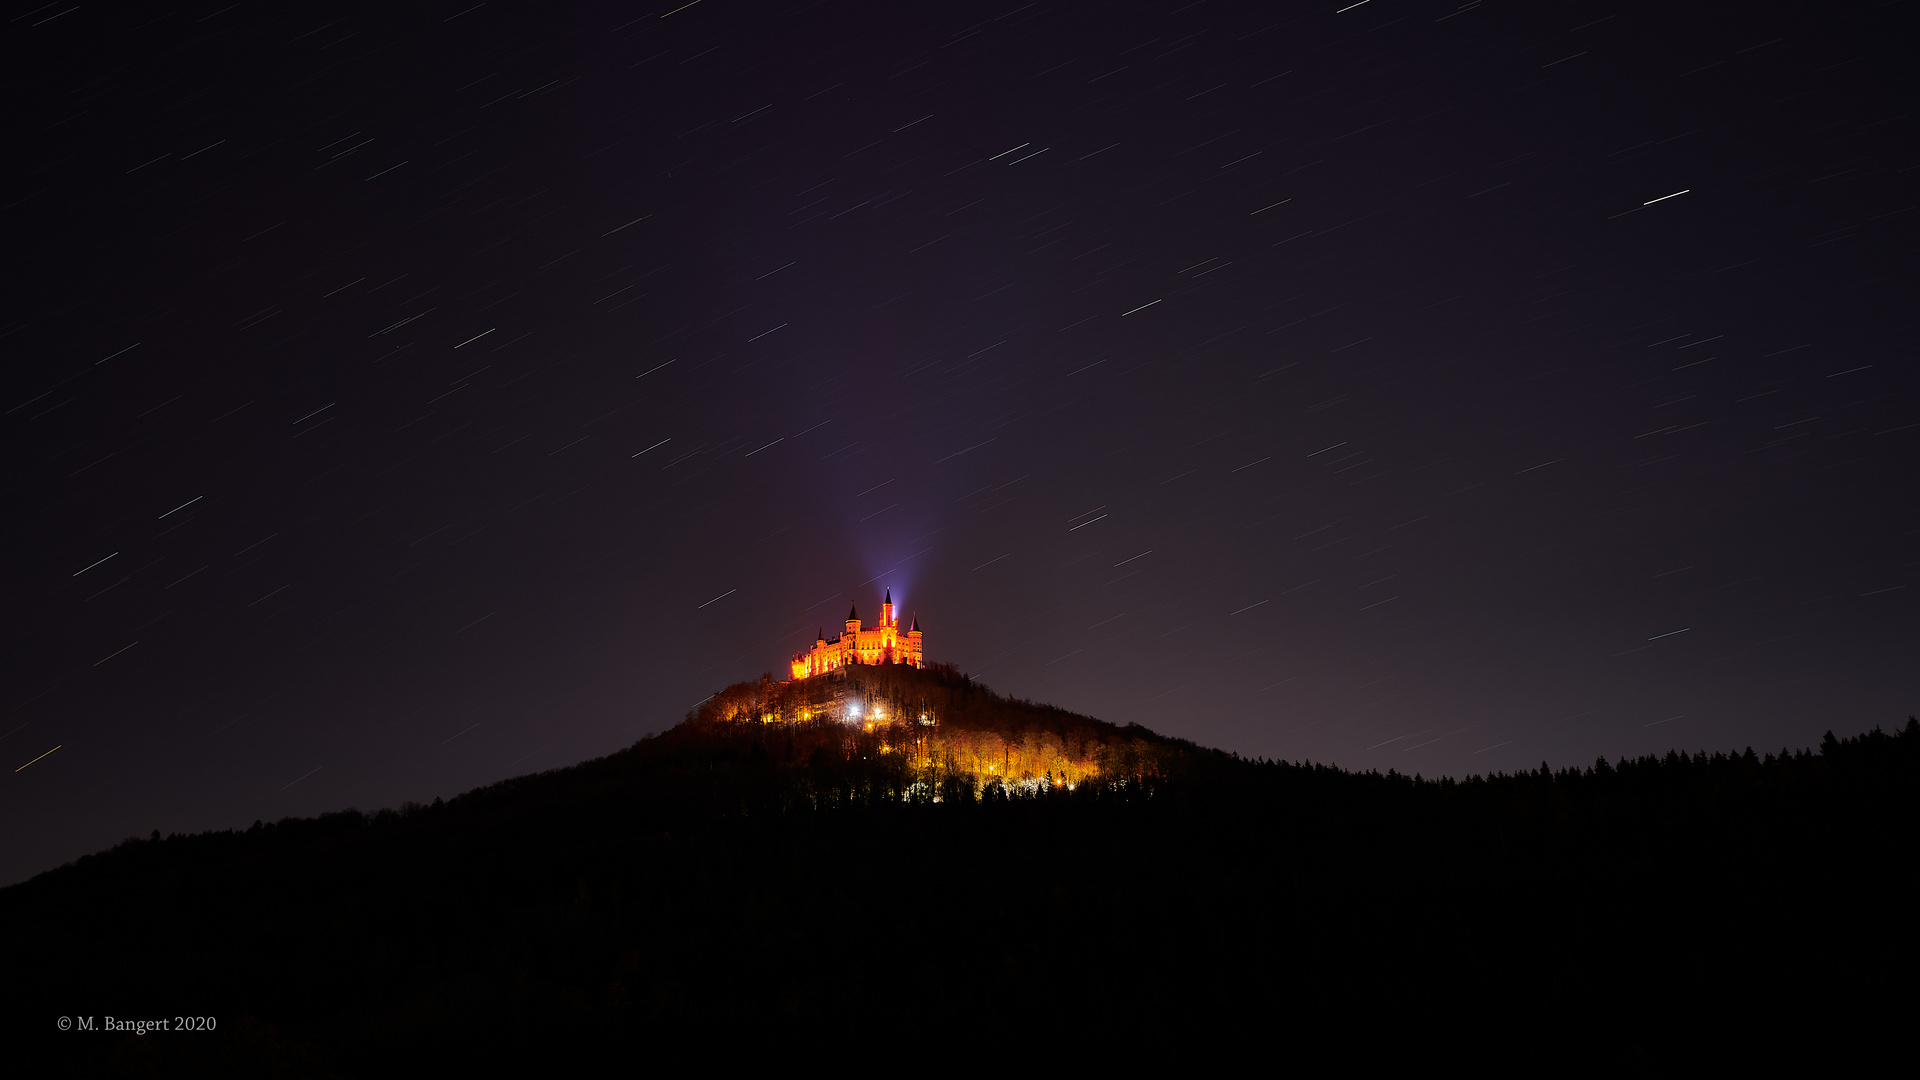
920,732
741,887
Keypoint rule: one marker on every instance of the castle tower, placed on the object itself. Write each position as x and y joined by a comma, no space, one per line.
889,630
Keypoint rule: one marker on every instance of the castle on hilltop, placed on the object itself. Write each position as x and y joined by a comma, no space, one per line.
882,644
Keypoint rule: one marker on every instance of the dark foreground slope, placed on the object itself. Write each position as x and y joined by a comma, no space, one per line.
712,892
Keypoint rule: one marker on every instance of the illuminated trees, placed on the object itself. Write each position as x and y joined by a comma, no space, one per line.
937,723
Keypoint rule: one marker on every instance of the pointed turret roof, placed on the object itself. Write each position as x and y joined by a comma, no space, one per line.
853,613
915,628
889,595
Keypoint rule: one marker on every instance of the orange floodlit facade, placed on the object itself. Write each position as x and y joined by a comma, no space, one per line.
882,644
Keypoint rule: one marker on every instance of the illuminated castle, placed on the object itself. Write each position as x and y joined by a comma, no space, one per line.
882,644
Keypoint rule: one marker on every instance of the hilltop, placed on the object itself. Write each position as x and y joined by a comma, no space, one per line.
933,727
754,881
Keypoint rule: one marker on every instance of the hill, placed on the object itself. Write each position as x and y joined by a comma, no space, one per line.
925,733
742,886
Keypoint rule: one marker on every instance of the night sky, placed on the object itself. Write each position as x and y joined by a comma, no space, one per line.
403,397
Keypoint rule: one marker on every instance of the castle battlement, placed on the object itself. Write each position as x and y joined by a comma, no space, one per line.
882,644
